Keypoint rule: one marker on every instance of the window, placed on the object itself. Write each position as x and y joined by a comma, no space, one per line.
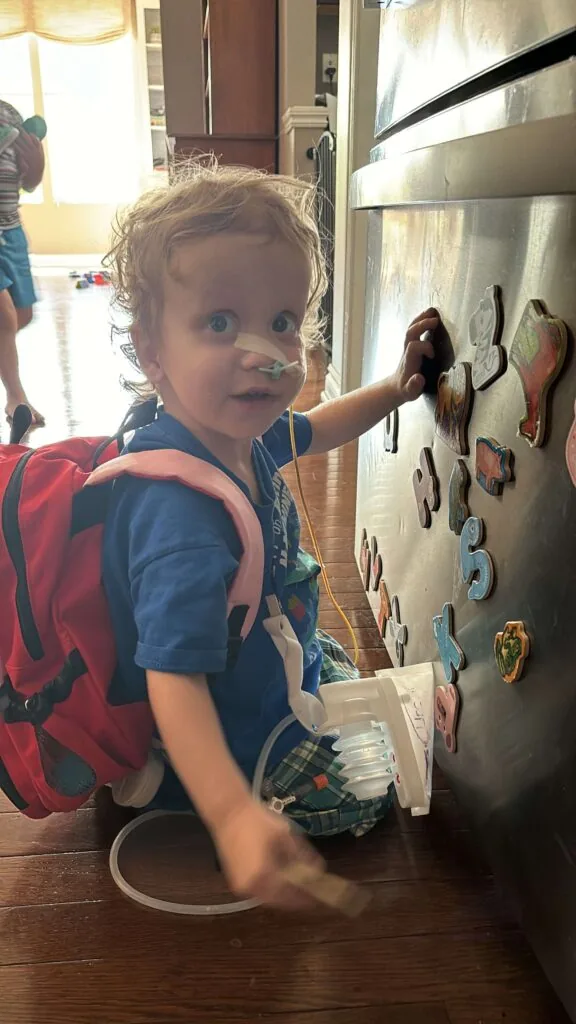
88,100
90,109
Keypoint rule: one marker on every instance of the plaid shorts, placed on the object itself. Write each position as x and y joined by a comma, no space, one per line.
329,811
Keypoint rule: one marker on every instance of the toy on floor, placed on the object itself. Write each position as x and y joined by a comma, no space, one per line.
97,277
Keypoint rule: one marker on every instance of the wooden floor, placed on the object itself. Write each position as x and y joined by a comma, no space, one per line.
436,946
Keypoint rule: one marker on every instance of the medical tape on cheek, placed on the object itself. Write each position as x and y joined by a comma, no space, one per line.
254,343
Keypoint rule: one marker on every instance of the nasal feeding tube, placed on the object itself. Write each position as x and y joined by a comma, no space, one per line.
254,343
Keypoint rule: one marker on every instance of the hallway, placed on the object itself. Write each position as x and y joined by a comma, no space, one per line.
437,945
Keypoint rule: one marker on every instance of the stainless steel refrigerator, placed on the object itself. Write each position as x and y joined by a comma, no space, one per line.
471,190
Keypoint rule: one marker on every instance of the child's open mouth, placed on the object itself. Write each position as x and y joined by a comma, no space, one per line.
255,396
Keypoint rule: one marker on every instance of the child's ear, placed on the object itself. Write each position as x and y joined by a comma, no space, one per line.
147,353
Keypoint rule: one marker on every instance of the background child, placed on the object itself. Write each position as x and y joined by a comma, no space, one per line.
220,277
21,166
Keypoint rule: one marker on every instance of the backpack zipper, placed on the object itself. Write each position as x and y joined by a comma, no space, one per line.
15,549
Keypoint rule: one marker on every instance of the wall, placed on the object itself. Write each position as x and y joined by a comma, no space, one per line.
301,123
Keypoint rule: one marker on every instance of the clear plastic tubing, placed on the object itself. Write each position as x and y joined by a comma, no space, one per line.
193,909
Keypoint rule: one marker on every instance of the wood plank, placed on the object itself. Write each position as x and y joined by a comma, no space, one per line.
385,855
83,930
129,989
86,829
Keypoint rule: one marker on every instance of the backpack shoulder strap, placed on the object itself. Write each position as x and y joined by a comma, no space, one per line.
168,464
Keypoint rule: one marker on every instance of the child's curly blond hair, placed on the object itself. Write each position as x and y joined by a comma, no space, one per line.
206,198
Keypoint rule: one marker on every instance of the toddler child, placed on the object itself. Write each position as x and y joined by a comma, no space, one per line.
221,276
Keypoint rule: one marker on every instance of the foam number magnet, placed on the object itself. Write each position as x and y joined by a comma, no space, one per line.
477,566
446,708
511,648
485,329
391,432
384,608
537,352
571,450
451,654
376,564
458,511
454,406
426,488
398,632
365,560
493,465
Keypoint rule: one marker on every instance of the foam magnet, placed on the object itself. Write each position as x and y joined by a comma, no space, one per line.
537,353
493,465
475,563
511,648
451,654
446,709
485,329
376,567
391,432
571,450
458,511
365,560
454,406
384,608
426,488
398,632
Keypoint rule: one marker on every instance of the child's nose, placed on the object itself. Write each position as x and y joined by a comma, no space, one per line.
253,360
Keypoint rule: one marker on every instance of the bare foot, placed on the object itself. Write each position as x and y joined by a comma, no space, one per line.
13,403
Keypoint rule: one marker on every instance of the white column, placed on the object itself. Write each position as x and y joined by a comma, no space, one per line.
297,85
357,68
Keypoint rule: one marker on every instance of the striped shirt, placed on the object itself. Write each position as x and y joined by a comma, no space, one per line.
9,173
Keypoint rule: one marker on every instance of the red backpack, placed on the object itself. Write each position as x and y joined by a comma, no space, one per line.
60,736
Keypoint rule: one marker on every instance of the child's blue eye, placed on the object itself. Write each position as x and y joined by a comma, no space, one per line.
284,323
222,323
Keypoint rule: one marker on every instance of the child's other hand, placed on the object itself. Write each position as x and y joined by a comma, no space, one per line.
409,380
255,845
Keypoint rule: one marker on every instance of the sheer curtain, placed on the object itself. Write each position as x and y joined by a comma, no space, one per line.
67,21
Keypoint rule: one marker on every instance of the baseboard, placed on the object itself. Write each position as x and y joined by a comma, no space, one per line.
332,384
66,261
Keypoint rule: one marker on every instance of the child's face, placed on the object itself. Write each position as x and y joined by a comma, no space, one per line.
218,288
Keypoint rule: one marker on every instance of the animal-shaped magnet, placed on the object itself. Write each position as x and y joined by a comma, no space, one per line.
451,654
398,632
365,560
537,352
376,567
475,563
485,330
493,465
446,708
426,488
384,609
454,406
571,450
458,511
511,648
391,432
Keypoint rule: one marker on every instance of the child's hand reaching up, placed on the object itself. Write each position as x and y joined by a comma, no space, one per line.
408,378
255,846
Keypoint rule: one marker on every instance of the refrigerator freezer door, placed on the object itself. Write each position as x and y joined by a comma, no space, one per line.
431,48
515,765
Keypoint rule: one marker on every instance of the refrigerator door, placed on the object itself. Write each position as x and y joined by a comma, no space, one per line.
431,48
447,223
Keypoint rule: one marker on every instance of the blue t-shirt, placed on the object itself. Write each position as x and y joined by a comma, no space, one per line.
169,556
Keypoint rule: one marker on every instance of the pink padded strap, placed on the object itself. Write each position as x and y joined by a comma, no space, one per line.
167,464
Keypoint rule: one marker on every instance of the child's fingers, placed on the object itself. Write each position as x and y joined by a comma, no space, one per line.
430,312
421,327
420,347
